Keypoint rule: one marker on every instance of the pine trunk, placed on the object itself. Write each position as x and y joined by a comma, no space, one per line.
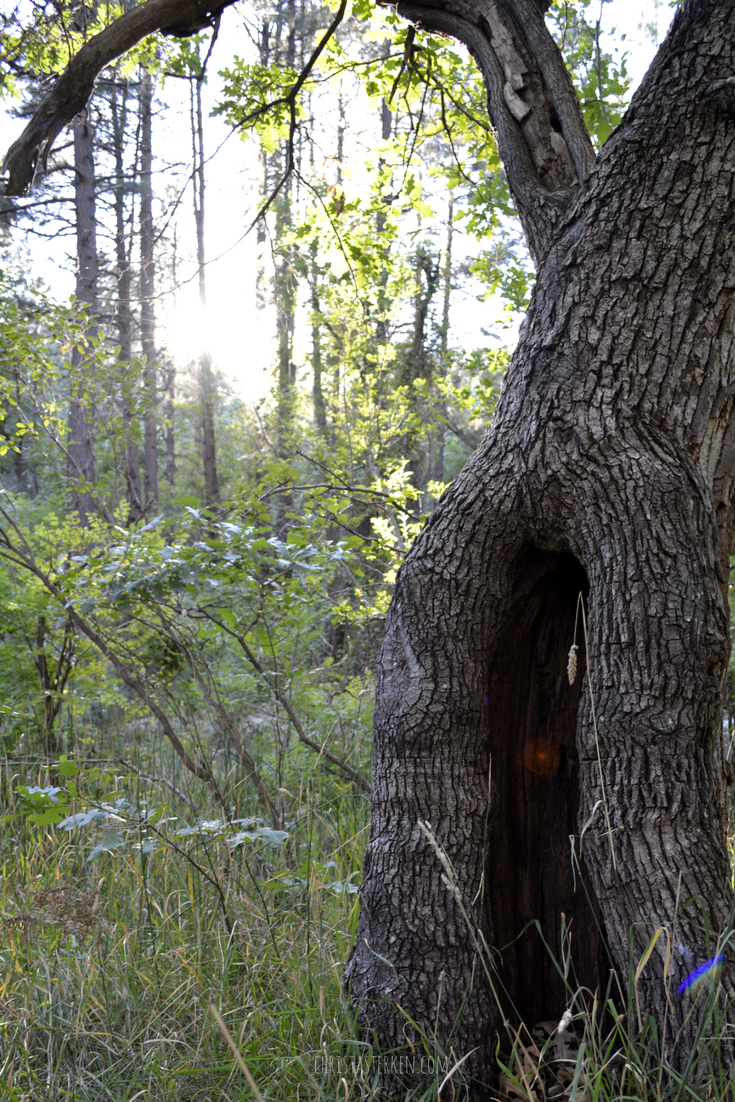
80,444
118,106
207,390
147,291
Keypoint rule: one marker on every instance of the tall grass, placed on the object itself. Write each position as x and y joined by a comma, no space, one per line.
110,965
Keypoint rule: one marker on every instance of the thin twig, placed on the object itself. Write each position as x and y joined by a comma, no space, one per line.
321,750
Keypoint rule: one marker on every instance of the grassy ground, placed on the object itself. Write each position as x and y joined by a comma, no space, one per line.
115,965
110,966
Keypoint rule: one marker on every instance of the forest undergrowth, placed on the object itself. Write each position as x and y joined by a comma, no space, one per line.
162,945
119,935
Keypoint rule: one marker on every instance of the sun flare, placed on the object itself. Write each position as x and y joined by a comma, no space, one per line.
240,344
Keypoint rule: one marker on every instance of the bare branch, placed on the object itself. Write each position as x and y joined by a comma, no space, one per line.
353,774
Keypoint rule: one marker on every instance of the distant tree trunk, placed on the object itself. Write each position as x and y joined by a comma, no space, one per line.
608,471
80,447
20,467
53,682
320,406
264,52
386,123
147,290
437,472
416,366
170,469
428,274
285,282
206,381
285,295
340,135
118,105
170,396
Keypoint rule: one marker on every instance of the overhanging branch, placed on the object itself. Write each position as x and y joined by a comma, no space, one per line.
70,93
542,139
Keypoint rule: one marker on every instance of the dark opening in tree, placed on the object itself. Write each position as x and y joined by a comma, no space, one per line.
534,768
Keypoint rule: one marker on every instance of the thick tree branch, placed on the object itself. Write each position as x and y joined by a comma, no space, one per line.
72,90
542,138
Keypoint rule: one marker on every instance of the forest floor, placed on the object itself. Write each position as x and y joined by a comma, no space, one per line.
133,956
156,950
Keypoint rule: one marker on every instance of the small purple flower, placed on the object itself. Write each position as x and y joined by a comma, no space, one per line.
486,700
710,970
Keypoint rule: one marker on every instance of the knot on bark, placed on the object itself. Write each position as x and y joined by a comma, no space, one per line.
722,94
194,26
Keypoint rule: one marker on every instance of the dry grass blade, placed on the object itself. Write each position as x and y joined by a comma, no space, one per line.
452,1070
235,1052
647,953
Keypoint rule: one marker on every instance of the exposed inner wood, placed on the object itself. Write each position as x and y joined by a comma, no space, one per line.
532,713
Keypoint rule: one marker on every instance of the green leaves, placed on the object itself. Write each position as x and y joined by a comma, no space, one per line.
41,806
601,78
255,97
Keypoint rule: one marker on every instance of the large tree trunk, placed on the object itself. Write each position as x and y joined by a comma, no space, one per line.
607,471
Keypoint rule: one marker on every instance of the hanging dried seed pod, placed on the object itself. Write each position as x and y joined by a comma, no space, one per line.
572,663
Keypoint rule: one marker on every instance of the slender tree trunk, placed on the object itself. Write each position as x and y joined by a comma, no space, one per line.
285,295
20,467
608,471
80,447
437,472
118,105
52,744
271,53
285,280
206,381
264,50
170,469
170,388
320,406
416,366
147,290
386,122
341,125
53,683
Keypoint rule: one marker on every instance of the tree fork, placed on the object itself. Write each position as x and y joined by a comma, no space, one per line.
541,134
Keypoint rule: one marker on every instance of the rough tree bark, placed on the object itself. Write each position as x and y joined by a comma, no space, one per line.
607,470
